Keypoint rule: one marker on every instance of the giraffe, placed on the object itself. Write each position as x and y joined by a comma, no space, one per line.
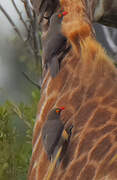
87,87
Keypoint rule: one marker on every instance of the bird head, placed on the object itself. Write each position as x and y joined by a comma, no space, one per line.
55,113
57,17
58,110
62,14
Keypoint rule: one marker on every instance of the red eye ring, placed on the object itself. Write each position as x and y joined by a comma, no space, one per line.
59,15
63,14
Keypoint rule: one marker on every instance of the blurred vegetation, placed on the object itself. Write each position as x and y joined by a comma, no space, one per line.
17,118
16,126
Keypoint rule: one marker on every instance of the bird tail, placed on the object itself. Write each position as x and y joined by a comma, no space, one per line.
64,141
53,165
54,67
59,151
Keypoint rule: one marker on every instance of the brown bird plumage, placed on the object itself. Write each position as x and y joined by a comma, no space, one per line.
54,135
54,44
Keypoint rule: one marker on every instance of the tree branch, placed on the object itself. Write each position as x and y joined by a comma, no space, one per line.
11,22
19,13
33,30
31,81
33,39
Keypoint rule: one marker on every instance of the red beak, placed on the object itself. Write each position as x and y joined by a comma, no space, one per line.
64,13
62,108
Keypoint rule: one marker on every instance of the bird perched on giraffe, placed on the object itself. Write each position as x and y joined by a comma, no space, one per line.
54,44
55,139
54,135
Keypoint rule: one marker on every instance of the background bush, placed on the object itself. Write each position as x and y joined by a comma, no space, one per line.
16,126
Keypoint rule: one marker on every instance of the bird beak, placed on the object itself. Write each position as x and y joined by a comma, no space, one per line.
58,111
61,108
64,13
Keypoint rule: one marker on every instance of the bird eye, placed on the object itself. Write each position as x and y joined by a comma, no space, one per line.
59,15
57,111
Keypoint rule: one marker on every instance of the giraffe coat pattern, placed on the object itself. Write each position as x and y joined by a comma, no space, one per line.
87,87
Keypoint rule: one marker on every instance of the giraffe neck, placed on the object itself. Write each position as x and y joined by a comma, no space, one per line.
86,86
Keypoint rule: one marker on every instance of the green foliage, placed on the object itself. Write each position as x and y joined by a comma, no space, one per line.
16,126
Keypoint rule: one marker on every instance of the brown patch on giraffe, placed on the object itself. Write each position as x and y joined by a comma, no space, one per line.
101,149
106,129
106,167
91,90
86,142
76,97
91,137
88,172
101,116
110,97
106,86
59,83
114,105
75,168
84,113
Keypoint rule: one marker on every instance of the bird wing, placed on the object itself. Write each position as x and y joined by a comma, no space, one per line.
61,42
54,66
53,46
51,134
